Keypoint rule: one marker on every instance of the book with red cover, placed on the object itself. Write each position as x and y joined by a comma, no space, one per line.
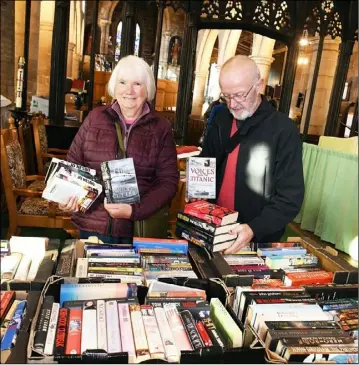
73,343
309,278
7,297
211,213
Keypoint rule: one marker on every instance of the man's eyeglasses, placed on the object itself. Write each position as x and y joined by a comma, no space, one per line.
238,98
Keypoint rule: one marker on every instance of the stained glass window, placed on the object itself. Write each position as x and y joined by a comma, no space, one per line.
118,42
137,40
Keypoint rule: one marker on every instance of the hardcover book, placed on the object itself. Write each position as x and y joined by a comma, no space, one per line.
211,213
119,177
201,178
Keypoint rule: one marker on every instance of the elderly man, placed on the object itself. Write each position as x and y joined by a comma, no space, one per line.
259,157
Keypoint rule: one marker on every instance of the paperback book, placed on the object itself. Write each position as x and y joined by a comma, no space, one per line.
201,178
119,177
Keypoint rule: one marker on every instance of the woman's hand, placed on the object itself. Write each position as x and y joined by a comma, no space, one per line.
70,206
119,210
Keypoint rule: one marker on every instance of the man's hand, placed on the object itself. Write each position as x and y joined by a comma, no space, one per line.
119,210
244,236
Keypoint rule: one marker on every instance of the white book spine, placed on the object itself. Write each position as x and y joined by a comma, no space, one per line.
23,268
139,333
101,326
176,325
34,267
127,340
81,268
171,350
113,329
154,339
89,327
51,333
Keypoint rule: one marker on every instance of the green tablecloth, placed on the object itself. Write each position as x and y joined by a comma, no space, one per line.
330,206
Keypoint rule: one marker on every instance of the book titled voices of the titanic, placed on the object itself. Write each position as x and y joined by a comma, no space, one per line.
119,177
201,178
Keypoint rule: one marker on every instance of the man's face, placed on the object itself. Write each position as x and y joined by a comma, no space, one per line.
241,95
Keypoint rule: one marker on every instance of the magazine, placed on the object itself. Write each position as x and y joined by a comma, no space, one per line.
66,179
120,182
201,178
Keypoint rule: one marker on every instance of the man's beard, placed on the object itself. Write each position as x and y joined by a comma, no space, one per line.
242,115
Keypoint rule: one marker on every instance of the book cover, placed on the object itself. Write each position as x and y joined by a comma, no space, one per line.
284,251
69,292
202,225
7,297
201,178
43,324
303,278
126,332
139,333
119,177
73,342
61,332
211,213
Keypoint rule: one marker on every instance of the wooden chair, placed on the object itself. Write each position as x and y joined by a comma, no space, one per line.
42,151
23,194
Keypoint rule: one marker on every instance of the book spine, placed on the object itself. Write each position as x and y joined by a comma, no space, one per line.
204,226
50,339
89,327
43,324
34,267
196,233
293,325
172,352
23,268
176,325
9,266
61,332
127,340
13,327
206,340
180,232
139,333
212,332
113,329
6,300
65,266
81,268
190,327
153,335
101,326
73,341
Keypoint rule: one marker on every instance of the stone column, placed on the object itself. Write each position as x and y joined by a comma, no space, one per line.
44,59
165,41
70,54
105,30
216,89
20,7
324,83
76,65
262,51
198,92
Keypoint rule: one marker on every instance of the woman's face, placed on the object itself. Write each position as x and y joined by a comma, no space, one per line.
130,93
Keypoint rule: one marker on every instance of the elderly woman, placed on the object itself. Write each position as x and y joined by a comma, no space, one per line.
147,138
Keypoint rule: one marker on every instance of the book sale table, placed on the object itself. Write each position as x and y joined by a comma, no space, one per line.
172,301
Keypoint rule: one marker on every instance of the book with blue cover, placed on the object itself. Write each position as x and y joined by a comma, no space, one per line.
292,251
71,292
176,246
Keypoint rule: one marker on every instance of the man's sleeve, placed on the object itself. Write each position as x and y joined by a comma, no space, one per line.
288,188
210,142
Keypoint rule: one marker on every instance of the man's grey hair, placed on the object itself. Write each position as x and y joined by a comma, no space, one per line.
136,68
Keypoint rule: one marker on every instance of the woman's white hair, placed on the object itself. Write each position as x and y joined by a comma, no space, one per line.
134,68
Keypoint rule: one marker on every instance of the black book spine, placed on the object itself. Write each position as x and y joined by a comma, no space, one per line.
191,329
212,332
43,324
61,332
196,223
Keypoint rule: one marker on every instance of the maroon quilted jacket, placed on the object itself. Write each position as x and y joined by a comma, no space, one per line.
150,143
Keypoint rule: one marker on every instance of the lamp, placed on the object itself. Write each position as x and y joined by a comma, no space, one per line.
304,41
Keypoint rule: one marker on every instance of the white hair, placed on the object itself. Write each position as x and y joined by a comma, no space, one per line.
137,68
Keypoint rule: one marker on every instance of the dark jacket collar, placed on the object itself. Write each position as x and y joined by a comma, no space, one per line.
263,111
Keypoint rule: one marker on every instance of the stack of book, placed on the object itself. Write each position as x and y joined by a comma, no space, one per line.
108,318
65,179
298,326
23,258
146,260
12,313
207,225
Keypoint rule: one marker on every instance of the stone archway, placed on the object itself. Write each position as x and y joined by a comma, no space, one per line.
206,42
